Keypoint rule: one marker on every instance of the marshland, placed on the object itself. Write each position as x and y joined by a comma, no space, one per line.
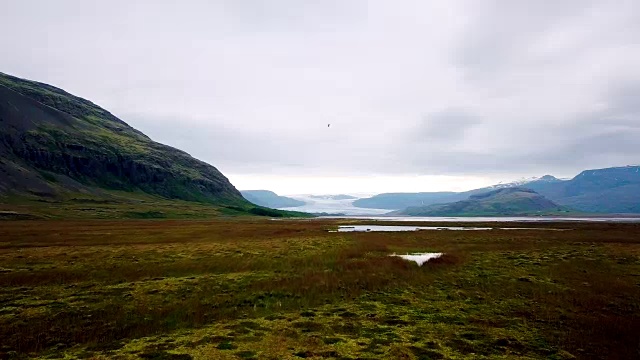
234,288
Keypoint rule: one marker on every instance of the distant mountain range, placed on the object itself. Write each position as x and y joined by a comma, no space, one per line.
58,148
610,190
270,199
511,201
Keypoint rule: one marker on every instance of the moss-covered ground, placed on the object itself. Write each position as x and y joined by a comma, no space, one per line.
288,289
112,204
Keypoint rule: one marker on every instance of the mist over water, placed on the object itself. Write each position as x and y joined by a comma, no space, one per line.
315,204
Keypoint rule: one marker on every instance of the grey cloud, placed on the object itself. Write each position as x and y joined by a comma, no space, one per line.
621,144
503,30
288,15
600,138
601,150
243,151
594,151
623,107
462,87
447,125
619,113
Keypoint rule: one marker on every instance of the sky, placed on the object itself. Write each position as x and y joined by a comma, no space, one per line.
420,95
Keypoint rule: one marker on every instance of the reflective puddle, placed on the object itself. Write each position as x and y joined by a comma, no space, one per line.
419,258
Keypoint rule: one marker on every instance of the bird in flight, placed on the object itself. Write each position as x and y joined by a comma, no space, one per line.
328,125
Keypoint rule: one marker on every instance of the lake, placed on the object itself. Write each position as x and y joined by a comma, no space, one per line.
492,219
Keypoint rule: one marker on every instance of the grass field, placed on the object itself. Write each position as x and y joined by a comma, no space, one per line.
115,205
251,288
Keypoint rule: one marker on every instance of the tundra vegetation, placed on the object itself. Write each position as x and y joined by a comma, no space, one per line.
287,289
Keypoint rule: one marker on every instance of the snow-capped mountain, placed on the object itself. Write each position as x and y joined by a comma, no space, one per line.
525,181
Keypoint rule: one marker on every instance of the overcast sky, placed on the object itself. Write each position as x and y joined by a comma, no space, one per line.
420,95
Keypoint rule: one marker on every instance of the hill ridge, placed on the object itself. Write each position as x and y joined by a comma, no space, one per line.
605,190
499,202
57,143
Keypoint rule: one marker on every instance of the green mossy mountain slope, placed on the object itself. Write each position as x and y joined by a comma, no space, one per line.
56,146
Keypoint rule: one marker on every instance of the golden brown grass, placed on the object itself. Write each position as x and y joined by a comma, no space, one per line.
230,288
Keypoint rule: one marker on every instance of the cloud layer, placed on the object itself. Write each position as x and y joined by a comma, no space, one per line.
465,88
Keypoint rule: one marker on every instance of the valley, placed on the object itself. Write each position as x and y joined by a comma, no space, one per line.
117,246
249,288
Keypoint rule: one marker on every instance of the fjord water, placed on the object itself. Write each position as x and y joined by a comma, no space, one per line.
475,219
315,204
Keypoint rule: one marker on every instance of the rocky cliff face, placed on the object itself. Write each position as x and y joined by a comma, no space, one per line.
50,139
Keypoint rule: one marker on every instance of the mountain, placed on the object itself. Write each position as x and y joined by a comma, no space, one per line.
56,147
397,201
609,190
499,202
270,199
533,181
